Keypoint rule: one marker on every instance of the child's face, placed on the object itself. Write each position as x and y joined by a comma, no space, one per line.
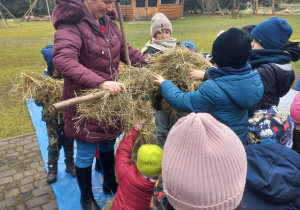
165,35
256,46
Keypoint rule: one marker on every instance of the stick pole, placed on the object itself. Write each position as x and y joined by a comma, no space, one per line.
73,101
10,13
48,10
5,23
123,34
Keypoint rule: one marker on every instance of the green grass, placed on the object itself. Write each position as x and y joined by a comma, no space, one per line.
21,50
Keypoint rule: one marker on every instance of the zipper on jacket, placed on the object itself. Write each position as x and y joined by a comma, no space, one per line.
110,61
107,32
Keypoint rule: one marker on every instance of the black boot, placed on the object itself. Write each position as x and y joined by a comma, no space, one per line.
98,166
70,167
84,179
107,160
52,173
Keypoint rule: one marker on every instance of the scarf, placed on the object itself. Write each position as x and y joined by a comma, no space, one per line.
213,72
149,178
163,44
258,57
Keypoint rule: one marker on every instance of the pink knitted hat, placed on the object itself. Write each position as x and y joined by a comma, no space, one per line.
204,164
295,109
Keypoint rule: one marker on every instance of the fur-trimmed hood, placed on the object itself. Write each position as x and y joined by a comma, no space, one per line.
74,11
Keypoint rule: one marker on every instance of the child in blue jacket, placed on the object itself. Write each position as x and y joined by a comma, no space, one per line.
55,130
232,89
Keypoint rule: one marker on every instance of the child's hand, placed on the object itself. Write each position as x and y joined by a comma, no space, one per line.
158,79
207,63
139,125
196,74
55,73
121,67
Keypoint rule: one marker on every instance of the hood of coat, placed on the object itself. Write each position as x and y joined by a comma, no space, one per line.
249,84
71,12
74,11
273,174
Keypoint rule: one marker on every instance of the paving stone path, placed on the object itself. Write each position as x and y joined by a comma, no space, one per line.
23,175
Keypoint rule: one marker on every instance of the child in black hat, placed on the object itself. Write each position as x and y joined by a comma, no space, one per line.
232,89
55,130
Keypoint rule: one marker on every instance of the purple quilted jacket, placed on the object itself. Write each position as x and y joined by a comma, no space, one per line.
85,57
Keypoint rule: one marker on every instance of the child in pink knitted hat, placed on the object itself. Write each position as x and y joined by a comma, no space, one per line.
295,114
204,166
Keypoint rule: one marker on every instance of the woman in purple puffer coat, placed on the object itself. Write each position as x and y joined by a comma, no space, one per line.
87,49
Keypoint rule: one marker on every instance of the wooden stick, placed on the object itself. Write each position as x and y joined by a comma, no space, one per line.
128,61
73,101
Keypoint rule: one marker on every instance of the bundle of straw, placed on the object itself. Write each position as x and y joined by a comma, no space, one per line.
137,102
125,109
174,65
44,90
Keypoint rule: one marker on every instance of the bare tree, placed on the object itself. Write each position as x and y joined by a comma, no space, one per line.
210,6
255,7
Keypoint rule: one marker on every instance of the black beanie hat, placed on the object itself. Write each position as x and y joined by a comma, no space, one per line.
232,48
249,28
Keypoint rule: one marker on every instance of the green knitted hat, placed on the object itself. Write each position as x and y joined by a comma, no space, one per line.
149,160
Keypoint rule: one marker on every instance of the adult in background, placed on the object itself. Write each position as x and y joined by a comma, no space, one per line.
87,49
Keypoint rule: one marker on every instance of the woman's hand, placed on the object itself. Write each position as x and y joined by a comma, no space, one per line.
196,74
158,79
139,125
113,87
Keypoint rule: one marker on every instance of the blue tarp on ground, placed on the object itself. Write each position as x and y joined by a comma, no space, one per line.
65,188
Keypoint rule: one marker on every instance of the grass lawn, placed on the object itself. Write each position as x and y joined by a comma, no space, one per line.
21,51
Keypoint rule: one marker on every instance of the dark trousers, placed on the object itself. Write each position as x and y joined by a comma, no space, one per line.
57,139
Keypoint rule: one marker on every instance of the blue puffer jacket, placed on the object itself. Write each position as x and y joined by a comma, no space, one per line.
227,98
273,178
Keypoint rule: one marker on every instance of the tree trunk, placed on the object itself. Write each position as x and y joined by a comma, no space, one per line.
273,7
220,8
234,4
256,6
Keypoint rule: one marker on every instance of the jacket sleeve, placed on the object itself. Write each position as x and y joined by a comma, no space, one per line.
135,56
267,76
200,100
124,152
66,53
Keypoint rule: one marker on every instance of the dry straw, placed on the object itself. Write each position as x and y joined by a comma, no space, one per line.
108,204
43,89
125,109
174,65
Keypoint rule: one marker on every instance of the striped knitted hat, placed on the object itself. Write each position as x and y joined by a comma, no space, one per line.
204,164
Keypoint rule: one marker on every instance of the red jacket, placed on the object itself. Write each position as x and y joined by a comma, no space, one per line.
86,57
134,191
